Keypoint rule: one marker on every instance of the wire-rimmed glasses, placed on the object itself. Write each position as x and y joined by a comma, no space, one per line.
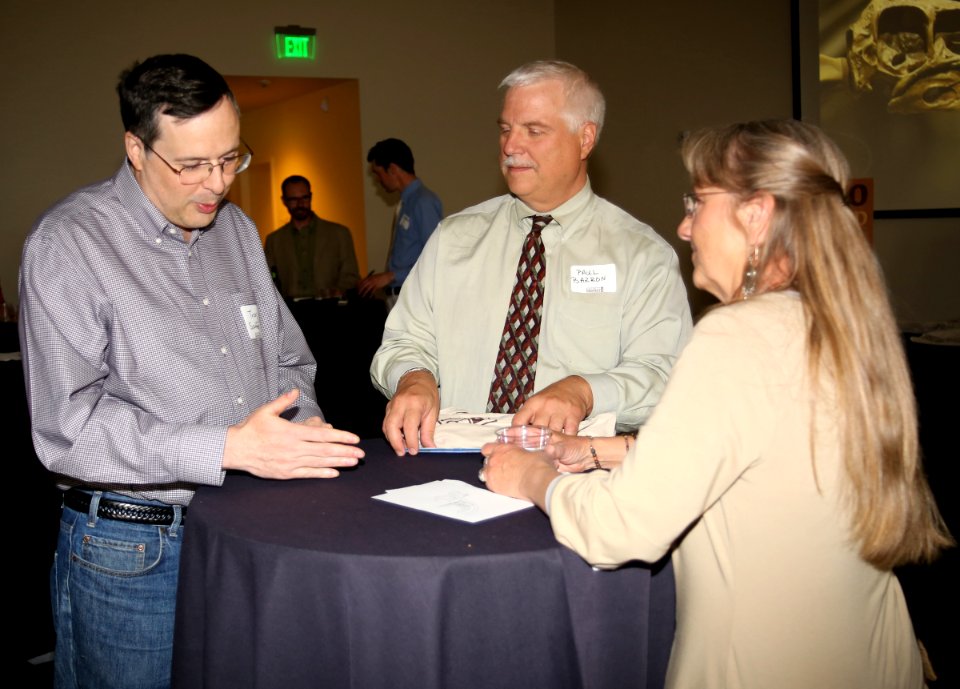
232,165
692,201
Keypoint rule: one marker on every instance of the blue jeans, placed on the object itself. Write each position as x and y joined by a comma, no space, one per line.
113,588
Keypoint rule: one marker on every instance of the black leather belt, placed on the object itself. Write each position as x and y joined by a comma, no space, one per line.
153,515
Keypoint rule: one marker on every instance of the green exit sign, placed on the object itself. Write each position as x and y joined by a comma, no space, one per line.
296,43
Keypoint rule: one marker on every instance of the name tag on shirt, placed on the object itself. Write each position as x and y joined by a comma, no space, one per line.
251,318
405,222
593,279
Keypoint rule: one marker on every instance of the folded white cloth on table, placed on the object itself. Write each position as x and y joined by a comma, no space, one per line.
463,431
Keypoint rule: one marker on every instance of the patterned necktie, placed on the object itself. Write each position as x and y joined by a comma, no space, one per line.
516,366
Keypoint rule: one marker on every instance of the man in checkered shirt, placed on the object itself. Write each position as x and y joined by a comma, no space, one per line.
157,355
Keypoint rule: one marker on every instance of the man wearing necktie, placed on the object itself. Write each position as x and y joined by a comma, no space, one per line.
549,303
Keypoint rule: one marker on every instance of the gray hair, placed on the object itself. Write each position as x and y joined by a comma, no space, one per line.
584,101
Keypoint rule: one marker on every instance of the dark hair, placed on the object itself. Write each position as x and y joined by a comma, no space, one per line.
293,179
182,86
391,151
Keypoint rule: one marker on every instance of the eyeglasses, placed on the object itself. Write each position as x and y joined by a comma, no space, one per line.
691,201
297,200
231,166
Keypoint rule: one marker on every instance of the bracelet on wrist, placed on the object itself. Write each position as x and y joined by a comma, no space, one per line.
593,453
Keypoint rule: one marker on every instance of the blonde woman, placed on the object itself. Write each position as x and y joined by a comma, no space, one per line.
781,465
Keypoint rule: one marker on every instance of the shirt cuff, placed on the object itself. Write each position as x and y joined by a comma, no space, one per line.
400,368
307,409
606,392
201,454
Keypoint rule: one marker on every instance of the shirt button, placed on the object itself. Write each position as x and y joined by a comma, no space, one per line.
223,350
190,253
172,231
158,240
239,400
206,302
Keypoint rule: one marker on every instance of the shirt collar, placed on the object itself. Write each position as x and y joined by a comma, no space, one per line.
410,189
309,227
151,223
564,214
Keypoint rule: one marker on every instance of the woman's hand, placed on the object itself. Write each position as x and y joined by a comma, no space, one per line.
518,473
570,453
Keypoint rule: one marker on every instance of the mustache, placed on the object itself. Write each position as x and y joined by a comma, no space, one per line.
518,161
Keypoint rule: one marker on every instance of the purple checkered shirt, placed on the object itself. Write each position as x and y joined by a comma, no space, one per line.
140,349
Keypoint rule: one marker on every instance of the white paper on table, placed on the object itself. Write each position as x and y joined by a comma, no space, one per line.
454,499
461,431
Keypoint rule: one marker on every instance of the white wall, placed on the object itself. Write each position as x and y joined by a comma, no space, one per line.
427,70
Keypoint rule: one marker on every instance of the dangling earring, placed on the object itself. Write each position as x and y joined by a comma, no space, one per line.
750,273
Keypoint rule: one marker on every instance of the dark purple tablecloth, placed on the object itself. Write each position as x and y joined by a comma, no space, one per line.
314,584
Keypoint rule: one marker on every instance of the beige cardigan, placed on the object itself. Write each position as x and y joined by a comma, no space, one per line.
770,592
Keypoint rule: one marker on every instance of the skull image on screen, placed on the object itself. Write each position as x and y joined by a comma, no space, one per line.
908,51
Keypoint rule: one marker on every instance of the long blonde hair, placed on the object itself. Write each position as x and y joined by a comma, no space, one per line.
851,331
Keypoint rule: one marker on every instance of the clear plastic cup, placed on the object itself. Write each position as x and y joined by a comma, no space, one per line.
527,437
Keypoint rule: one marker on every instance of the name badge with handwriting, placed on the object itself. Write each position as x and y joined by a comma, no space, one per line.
251,318
593,279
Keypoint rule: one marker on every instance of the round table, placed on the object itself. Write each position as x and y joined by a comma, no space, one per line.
314,584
